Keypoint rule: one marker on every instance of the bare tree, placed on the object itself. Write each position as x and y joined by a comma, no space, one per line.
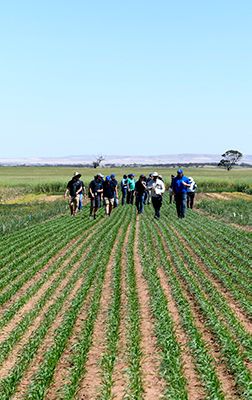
230,158
98,161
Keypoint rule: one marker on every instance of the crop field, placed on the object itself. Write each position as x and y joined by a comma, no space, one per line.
126,307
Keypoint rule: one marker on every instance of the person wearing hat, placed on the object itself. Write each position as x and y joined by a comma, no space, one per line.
191,192
180,185
131,189
140,189
95,194
73,189
157,188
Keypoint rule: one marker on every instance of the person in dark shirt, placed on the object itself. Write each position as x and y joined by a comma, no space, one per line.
73,189
95,194
114,184
171,189
108,195
140,189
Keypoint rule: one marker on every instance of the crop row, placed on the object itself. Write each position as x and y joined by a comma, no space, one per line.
94,266
204,362
229,348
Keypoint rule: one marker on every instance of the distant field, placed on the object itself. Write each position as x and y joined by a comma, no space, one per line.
54,179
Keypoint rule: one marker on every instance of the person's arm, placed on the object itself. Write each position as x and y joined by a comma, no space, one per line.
66,192
163,187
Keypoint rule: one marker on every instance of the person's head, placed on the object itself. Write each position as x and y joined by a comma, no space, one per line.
124,176
172,176
76,175
107,178
190,179
150,175
142,177
180,172
160,177
131,176
100,177
155,176
112,176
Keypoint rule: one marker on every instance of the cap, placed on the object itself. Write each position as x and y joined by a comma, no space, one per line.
77,174
190,179
155,174
180,171
142,176
108,178
112,176
100,175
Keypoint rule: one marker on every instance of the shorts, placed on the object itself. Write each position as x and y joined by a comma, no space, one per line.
74,201
108,201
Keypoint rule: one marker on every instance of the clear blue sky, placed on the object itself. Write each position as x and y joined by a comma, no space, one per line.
125,77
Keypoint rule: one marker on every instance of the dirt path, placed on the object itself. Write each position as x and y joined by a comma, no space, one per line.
120,377
154,386
90,386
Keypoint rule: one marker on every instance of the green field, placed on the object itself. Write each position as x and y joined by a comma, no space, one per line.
54,179
126,307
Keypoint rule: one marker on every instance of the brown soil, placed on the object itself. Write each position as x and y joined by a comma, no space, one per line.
154,386
119,377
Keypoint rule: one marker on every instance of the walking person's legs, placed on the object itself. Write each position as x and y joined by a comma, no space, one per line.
178,204
183,205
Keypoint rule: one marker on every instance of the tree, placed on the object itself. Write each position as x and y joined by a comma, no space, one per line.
98,161
230,158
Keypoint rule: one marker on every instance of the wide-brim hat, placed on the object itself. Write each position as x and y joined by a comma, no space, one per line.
155,174
77,175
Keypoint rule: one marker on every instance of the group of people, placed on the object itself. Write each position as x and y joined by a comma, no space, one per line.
145,190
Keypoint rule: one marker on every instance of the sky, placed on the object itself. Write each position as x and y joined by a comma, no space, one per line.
125,77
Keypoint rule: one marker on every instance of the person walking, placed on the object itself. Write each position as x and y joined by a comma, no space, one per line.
191,193
114,185
171,194
148,191
140,189
157,189
72,190
124,188
130,189
179,186
95,194
82,193
108,195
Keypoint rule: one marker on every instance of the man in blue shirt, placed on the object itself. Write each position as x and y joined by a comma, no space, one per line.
179,185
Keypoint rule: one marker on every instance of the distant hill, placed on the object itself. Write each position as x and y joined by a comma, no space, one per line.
178,159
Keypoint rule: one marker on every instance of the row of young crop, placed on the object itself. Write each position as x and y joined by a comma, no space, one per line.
89,270
83,255
226,328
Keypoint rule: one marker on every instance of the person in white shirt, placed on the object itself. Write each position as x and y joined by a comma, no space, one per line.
157,188
191,193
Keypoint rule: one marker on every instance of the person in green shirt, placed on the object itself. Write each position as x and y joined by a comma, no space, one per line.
131,189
